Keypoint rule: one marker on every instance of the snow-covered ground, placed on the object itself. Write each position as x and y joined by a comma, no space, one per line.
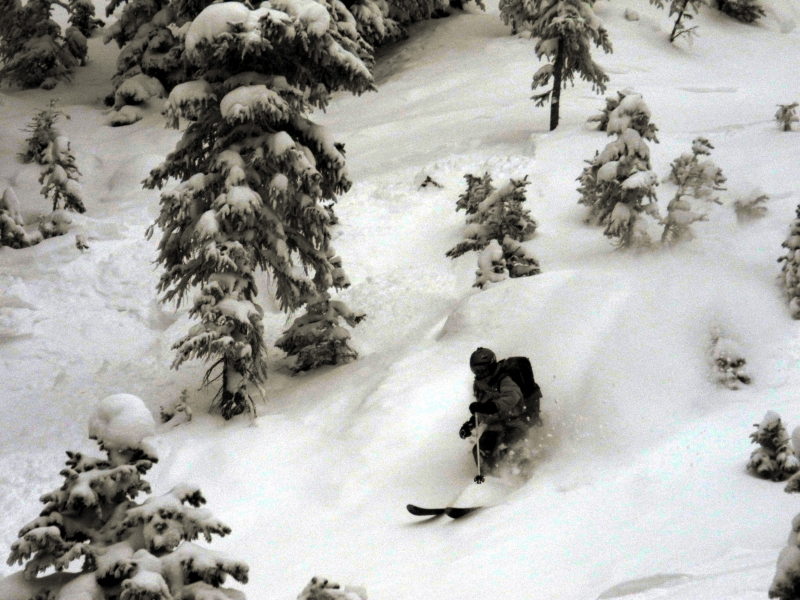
641,490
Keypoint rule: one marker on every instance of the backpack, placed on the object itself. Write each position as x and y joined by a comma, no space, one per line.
520,370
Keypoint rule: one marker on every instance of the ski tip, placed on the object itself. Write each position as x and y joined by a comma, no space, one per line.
418,511
457,513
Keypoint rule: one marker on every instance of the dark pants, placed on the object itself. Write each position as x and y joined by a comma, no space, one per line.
495,446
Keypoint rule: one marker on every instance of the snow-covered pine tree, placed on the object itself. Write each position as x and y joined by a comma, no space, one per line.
43,132
790,272
82,16
60,176
316,338
745,11
499,217
130,550
775,457
729,364
751,207
33,50
612,102
618,180
320,588
258,177
565,31
684,10
696,179
786,115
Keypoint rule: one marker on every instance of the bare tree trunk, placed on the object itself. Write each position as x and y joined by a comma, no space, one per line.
558,69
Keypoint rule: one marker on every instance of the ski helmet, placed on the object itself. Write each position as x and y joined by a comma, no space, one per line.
482,362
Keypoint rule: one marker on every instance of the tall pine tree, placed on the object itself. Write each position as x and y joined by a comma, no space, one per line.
258,177
565,31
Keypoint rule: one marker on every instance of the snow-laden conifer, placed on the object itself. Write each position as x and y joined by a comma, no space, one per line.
60,177
685,11
786,115
257,177
34,52
491,265
498,217
751,207
43,131
565,31
317,338
127,548
745,11
620,179
775,457
790,272
82,16
729,364
696,179
320,588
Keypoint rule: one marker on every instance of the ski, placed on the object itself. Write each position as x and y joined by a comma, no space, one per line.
456,513
418,511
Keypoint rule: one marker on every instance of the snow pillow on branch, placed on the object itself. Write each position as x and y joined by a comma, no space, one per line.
775,458
129,550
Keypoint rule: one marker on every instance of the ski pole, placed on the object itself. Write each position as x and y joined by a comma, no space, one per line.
479,477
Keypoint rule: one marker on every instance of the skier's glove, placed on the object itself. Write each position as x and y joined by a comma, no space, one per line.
486,408
466,429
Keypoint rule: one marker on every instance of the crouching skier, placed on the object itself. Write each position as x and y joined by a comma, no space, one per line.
507,401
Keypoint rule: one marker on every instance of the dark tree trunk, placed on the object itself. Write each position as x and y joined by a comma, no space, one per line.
555,96
231,403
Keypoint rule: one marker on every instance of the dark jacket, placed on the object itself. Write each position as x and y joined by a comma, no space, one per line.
501,390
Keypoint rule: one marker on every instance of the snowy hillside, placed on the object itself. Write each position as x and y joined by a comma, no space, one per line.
640,490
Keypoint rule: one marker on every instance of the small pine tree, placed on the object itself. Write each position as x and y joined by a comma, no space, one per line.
786,115
320,588
565,31
612,103
43,133
82,17
33,51
61,176
683,9
775,458
316,338
744,11
257,176
751,207
131,550
790,272
499,217
730,366
696,179
618,180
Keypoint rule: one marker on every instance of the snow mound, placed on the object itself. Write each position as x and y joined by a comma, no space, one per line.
121,422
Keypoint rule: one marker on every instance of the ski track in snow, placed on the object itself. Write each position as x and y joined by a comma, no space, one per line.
640,491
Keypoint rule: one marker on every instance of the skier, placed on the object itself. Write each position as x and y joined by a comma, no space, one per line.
500,402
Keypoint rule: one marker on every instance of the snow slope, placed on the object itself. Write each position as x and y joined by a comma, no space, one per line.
641,491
